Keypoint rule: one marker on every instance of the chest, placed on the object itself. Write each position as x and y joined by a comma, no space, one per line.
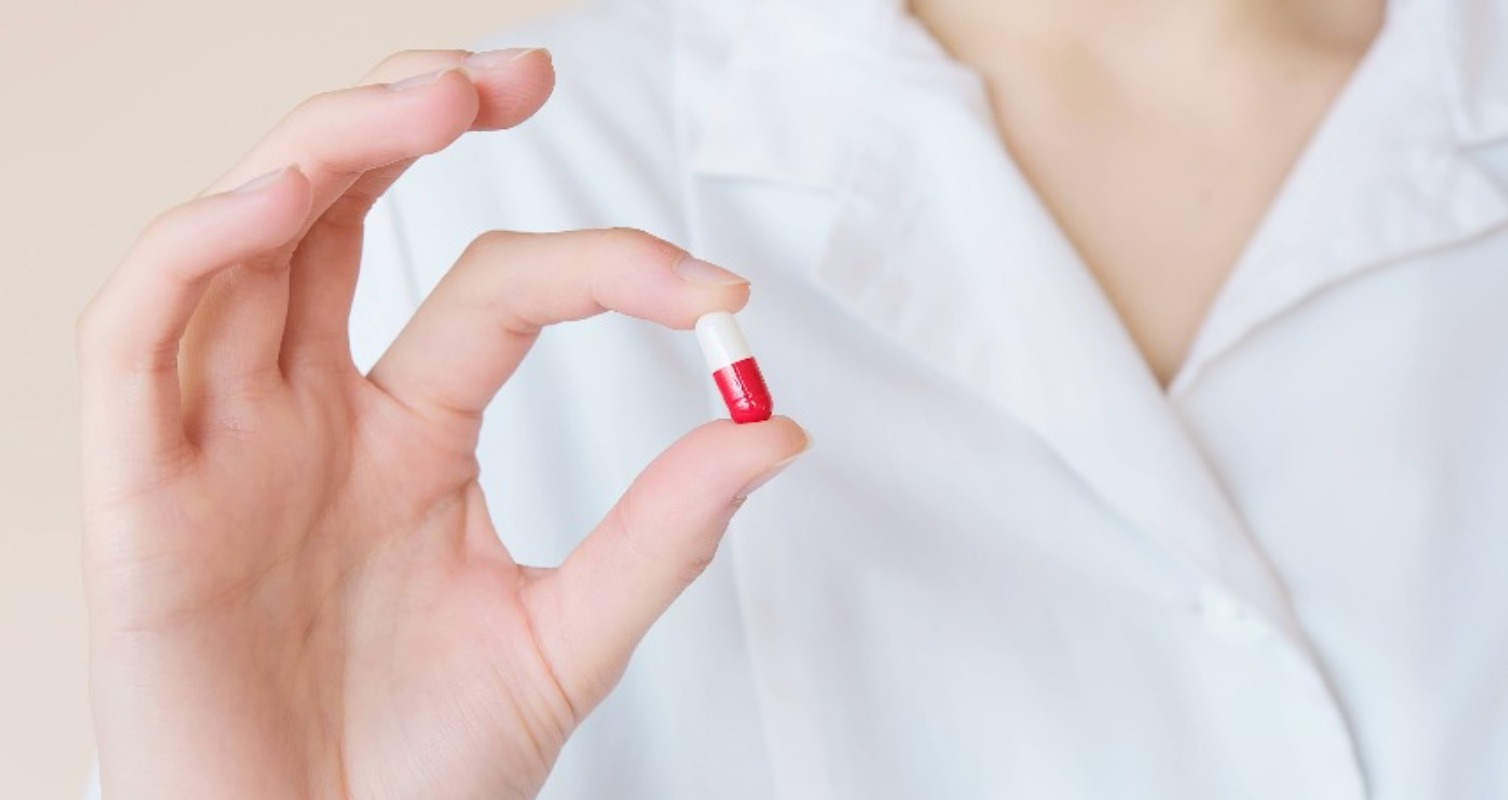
1160,190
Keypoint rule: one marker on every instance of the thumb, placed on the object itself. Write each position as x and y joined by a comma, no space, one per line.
591,612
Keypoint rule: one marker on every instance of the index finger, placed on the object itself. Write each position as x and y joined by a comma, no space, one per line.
475,327
338,136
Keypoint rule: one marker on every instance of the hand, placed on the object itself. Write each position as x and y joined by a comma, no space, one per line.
295,589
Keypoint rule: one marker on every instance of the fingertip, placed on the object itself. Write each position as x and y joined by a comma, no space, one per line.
787,442
704,295
730,299
456,75
512,86
786,437
300,196
282,199
432,108
740,298
462,105
490,62
797,437
748,450
648,277
260,213
763,478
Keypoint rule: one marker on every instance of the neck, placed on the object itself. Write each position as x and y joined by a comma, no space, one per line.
1130,33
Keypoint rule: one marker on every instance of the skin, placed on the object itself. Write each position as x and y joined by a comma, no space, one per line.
1157,132
295,588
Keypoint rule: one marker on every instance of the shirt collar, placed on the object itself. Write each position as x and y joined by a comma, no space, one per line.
773,82
1472,41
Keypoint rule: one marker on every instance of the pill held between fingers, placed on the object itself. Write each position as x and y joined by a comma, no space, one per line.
733,367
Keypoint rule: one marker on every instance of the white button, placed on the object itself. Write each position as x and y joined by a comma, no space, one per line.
1229,618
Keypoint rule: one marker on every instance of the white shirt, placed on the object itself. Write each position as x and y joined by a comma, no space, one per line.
1012,566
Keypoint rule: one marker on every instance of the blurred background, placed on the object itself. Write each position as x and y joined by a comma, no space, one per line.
113,111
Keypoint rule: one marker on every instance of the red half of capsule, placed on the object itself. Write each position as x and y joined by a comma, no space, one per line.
744,391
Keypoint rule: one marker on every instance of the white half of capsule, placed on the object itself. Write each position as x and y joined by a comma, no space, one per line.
721,339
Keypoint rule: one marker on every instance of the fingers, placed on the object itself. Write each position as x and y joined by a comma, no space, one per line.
235,343
337,136
425,100
591,612
363,136
475,327
129,336
510,85
136,327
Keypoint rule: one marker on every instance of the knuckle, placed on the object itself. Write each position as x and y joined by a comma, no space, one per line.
99,344
168,233
683,564
630,530
306,108
494,240
304,119
92,332
486,262
640,242
161,228
313,108
164,233
487,249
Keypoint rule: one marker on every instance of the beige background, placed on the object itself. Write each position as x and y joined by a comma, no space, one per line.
109,112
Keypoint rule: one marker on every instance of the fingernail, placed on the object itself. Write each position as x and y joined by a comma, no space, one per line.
422,79
696,270
769,474
261,181
497,58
